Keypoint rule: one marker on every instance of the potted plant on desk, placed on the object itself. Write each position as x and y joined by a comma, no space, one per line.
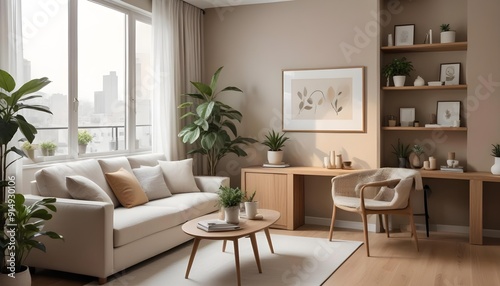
402,152
495,152
275,141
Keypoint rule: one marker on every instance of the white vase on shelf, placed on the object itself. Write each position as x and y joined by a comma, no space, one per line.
495,169
419,81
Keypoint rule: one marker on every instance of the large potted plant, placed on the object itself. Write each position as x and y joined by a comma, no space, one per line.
210,123
229,200
24,226
275,141
84,138
11,102
398,69
495,152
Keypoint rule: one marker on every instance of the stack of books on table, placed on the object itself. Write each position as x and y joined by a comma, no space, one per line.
216,225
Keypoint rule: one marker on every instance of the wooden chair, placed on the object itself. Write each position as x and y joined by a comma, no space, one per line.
379,191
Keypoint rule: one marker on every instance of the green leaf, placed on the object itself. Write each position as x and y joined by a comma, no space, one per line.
7,82
202,123
208,141
204,89
205,109
232,88
27,129
31,86
231,127
215,78
185,104
192,136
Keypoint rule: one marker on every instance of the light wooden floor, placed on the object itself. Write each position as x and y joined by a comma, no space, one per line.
444,259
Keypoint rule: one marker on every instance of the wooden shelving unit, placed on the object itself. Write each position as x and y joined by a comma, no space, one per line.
399,128
448,47
425,87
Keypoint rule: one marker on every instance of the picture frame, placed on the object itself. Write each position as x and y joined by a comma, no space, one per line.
448,113
324,100
404,35
407,116
450,73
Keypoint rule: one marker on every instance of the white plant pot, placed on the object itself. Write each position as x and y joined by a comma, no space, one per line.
448,37
251,209
399,80
82,148
22,278
232,214
495,169
275,157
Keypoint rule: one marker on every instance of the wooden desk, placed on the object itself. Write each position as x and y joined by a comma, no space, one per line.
284,192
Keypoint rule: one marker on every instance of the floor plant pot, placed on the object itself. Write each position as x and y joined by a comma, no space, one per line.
448,37
399,80
232,214
275,157
22,278
495,169
251,209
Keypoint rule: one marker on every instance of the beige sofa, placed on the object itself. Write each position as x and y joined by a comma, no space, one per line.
103,238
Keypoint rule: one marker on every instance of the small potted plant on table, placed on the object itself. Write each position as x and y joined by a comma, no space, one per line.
275,141
229,200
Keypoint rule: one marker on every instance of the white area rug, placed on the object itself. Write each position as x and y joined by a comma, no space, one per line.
296,261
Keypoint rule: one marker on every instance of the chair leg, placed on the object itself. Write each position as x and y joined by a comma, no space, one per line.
413,229
386,220
331,224
365,231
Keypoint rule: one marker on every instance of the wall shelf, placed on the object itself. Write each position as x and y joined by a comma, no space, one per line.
399,128
447,47
426,87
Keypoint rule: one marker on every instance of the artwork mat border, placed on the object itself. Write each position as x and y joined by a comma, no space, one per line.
356,125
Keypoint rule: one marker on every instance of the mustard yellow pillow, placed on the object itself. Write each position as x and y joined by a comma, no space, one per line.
126,188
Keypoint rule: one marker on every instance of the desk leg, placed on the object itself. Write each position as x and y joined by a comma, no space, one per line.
237,260
269,241
255,251
191,258
476,212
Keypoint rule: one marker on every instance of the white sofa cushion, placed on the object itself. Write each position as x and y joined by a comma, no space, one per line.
82,188
136,223
51,181
110,165
136,161
152,182
190,205
179,176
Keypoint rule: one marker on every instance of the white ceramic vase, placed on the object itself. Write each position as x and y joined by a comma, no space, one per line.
232,214
251,209
448,37
399,80
275,157
419,81
495,169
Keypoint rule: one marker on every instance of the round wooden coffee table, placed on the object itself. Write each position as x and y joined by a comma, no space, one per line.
248,228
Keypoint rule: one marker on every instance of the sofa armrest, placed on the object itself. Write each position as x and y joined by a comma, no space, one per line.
87,228
211,183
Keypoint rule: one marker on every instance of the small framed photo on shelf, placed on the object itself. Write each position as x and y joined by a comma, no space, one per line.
450,74
448,113
404,35
407,116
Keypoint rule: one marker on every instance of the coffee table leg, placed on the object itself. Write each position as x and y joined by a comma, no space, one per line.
269,241
224,246
193,253
237,260
255,251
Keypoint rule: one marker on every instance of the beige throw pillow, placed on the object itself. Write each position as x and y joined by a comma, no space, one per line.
82,188
126,188
179,176
152,182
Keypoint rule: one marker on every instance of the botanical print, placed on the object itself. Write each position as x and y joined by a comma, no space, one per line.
327,98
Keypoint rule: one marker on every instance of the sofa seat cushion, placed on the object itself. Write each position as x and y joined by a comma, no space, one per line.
131,224
190,205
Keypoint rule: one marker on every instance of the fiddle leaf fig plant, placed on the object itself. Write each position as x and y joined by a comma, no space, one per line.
212,128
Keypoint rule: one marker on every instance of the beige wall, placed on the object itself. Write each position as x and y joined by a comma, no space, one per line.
255,43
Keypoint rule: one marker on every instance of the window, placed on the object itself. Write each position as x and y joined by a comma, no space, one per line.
108,48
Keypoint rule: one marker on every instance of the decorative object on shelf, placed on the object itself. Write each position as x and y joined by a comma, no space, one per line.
29,149
326,163
84,138
435,83
230,199
450,74
426,165
418,151
391,121
447,35
347,164
402,152
48,148
251,206
324,100
404,34
419,81
407,116
390,42
275,141
447,113
432,163
338,161
495,152
398,69
25,227
209,124
332,160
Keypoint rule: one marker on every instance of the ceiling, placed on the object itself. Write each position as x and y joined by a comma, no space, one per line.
205,4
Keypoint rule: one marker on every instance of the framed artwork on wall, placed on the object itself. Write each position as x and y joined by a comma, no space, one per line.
450,74
448,113
324,100
404,35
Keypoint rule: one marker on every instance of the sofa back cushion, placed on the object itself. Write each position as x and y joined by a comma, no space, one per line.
179,176
82,188
51,180
152,182
137,161
110,165
126,188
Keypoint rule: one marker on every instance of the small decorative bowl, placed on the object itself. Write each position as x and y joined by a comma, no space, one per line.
347,164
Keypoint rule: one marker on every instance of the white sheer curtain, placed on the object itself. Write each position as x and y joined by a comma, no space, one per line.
11,60
177,30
